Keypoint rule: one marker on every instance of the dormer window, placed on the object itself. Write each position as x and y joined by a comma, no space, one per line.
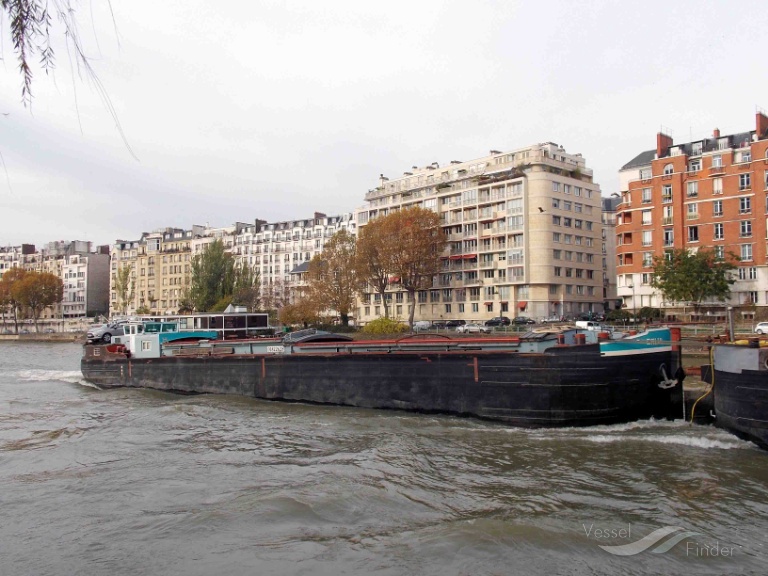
696,149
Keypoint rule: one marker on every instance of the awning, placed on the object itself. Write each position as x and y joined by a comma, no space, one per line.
469,256
393,279
455,257
486,303
504,302
522,304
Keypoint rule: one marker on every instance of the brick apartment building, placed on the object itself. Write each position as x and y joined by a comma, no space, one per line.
707,193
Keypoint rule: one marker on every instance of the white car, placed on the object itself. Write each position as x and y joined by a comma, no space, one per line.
762,328
473,329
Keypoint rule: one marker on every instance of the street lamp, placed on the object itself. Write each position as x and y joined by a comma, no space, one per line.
631,286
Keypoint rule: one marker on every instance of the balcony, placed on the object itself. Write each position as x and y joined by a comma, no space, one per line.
667,220
692,216
716,169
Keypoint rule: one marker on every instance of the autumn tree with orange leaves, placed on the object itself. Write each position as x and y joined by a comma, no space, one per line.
38,290
403,247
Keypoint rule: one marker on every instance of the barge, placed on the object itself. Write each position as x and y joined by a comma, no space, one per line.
567,377
738,373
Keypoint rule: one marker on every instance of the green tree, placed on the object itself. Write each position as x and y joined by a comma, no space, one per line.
683,276
332,277
212,276
37,291
124,285
9,293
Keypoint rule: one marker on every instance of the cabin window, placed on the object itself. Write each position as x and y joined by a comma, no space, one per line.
146,346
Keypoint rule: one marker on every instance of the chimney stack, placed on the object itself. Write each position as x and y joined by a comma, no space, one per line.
663,144
761,125
716,133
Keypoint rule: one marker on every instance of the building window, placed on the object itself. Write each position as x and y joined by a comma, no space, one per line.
666,194
669,169
694,165
646,199
647,217
647,259
693,211
717,208
555,186
719,252
752,297
692,189
745,181
669,237
746,252
717,161
693,233
745,205
745,229
647,237
718,231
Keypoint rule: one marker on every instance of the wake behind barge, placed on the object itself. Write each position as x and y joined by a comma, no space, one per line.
540,379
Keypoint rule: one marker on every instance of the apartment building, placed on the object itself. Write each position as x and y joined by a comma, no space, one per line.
710,193
281,251
86,285
610,294
15,256
524,232
160,263
84,273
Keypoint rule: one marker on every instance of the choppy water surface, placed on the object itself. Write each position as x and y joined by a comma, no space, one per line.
139,482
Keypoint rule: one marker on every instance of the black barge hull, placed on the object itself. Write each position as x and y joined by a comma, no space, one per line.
568,386
739,375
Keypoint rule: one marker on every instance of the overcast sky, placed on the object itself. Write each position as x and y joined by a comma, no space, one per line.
236,110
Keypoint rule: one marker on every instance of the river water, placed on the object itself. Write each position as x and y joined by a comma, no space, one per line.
138,482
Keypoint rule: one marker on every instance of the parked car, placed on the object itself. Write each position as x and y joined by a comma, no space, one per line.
498,321
552,320
422,325
455,323
761,328
473,329
105,332
438,324
523,320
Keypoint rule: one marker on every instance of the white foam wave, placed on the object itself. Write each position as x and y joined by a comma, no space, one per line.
725,443
37,375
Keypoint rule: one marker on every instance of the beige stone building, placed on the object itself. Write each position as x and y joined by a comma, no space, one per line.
160,264
524,230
